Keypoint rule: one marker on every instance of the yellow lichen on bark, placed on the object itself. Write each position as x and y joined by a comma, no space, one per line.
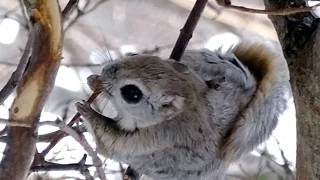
28,97
44,15
25,101
30,92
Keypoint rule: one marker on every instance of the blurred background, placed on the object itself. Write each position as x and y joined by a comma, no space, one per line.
102,30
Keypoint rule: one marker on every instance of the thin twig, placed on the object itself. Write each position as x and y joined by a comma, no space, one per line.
60,167
38,160
122,170
72,4
270,159
80,139
84,171
275,12
17,74
286,165
50,136
27,4
24,124
73,120
14,123
25,15
84,11
187,30
3,139
41,138
86,174
13,10
3,131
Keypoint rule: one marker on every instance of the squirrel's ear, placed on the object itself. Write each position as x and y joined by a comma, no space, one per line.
179,67
175,101
171,105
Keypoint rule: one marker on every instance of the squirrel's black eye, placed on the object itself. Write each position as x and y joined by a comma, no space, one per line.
131,94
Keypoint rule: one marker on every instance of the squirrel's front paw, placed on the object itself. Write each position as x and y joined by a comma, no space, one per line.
85,110
95,83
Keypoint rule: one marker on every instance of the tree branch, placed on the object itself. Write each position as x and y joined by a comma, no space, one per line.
49,166
84,11
86,174
14,123
33,90
17,74
187,30
60,167
73,120
24,5
81,140
45,137
72,4
275,12
50,136
286,165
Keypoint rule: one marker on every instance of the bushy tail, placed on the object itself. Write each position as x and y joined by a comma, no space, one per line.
258,119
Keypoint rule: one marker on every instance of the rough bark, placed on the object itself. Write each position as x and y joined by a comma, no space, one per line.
33,90
299,36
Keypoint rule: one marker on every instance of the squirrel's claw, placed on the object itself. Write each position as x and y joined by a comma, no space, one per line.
84,109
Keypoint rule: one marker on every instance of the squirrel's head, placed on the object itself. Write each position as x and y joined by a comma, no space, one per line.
146,90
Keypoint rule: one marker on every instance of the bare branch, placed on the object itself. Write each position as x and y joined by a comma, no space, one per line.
187,30
24,4
38,160
276,12
72,4
14,123
86,174
3,131
17,74
80,139
84,171
27,4
5,15
84,11
50,136
286,165
73,120
3,139
41,138
60,167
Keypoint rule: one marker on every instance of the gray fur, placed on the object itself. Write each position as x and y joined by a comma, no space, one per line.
183,141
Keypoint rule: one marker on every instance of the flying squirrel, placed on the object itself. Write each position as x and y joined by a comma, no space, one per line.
190,119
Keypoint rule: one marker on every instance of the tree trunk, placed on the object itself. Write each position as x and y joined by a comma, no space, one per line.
299,36
33,90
